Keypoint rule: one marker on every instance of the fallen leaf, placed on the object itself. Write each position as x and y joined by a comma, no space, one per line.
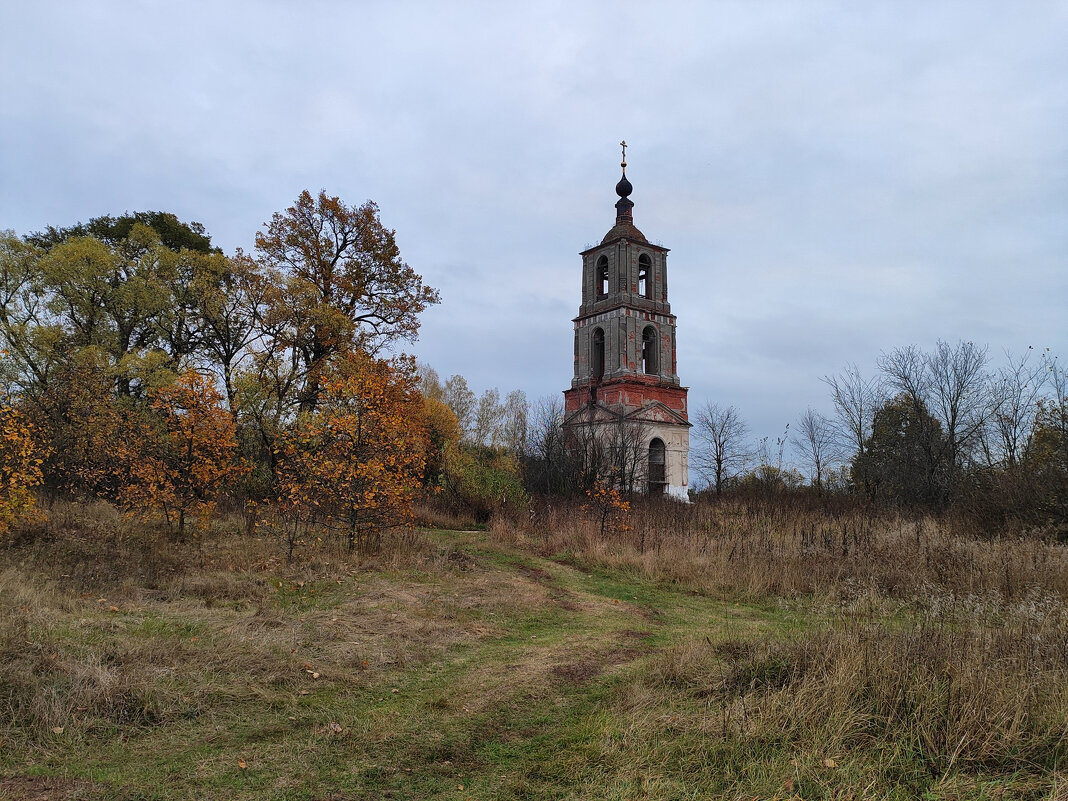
335,727
829,763
57,730
315,675
242,764
303,692
113,609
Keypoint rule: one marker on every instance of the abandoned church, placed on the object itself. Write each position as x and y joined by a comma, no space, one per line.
625,400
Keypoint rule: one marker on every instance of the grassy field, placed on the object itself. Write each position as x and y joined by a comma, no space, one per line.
520,663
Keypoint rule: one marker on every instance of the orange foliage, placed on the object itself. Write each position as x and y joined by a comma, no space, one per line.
356,464
20,467
443,432
608,506
180,459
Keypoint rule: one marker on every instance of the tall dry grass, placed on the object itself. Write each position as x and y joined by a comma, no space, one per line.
842,551
927,700
933,652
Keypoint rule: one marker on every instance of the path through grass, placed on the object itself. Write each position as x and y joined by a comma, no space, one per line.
481,672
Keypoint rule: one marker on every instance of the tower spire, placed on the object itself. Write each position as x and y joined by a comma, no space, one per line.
623,189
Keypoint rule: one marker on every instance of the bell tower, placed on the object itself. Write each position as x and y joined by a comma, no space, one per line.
625,393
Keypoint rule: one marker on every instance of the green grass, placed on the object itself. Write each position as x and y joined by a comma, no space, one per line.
478,671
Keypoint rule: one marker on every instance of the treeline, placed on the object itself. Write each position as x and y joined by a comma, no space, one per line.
931,429
143,366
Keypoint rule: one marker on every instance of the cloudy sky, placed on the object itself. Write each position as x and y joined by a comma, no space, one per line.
833,178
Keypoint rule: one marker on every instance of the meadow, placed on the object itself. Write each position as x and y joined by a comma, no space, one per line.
750,648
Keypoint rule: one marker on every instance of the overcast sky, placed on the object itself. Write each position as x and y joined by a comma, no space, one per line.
834,179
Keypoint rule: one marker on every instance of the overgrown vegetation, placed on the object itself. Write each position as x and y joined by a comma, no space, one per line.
734,651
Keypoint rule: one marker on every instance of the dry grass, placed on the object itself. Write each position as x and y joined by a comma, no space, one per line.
918,661
938,657
760,548
107,625
988,701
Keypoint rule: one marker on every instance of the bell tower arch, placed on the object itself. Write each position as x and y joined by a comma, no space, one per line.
625,366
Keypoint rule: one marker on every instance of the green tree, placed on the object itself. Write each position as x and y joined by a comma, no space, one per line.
173,233
905,459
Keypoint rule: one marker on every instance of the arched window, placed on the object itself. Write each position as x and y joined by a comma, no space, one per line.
602,276
597,355
645,276
650,351
657,466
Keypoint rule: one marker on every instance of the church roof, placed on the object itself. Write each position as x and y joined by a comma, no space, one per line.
624,229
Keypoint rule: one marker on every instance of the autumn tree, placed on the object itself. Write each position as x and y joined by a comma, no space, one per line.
340,286
443,438
607,507
182,457
355,464
20,465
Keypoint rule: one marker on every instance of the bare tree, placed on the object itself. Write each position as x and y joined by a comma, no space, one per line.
514,422
960,394
722,450
855,401
459,397
488,417
1014,402
948,390
429,382
1057,405
815,440
627,455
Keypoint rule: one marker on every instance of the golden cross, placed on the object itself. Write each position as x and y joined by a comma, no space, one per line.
623,144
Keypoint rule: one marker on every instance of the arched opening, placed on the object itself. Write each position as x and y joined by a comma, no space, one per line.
645,276
650,351
602,276
657,466
597,355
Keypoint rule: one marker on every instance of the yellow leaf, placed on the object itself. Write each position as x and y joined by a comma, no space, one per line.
242,764
829,763
57,730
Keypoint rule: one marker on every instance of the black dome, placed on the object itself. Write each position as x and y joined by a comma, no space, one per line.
623,188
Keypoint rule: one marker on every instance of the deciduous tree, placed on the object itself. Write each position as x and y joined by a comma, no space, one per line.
20,465
722,450
356,463
183,457
814,439
341,285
